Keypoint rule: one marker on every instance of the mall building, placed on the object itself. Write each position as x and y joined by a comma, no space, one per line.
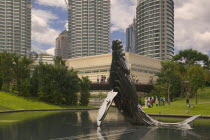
144,68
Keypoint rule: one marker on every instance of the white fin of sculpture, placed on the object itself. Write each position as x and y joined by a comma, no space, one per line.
105,107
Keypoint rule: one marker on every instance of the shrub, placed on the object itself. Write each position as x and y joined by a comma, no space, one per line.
85,91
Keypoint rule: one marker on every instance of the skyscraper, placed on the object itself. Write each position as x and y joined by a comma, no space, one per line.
89,27
62,48
155,28
131,38
15,26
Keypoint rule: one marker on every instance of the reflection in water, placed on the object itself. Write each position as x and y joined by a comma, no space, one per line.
82,125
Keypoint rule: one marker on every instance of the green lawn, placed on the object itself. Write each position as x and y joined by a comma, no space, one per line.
12,118
10,101
180,107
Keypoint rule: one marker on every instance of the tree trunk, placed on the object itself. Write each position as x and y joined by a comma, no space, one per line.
18,86
169,85
196,97
182,89
6,86
190,90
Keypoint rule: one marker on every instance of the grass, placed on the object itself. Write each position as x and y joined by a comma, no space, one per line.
12,118
180,107
197,122
10,101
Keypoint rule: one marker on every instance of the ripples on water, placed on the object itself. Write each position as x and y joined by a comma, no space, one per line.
82,126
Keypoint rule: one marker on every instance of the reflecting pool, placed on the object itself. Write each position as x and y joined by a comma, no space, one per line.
81,125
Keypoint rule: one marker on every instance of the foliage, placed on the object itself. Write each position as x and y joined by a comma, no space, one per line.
58,61
167,78
186,60
52,83
192,57
34,82
181,71
196,77
160,90
1,83
15,70
6,73
85,91
21,70
100,95
56,84
207,78
176,87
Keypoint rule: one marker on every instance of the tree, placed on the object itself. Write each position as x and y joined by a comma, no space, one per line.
1,83
85,91
196,77
57,84
6,72
160,90
21,71
181,71
34,82
185,60
169,75
207,78
58,61
73,87
192,57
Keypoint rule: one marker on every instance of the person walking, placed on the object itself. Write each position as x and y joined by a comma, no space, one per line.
156,101
102,78
97,78
164,101
137,80
149,102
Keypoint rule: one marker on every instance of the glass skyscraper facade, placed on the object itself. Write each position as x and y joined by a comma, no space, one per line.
62,48
15,26
89,27
131,38
155,28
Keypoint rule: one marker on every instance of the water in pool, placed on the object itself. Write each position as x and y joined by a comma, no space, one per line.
81,125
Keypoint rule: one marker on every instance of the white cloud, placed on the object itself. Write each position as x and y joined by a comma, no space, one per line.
122,14
192,28
66,25
41,30
38,48
192,20
51,51
54,3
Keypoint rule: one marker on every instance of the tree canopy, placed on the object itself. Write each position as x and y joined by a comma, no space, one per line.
192,57
52,83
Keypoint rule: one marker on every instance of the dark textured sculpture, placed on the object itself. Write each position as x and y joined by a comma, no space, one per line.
126,100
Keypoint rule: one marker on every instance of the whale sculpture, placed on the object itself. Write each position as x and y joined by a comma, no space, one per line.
125,97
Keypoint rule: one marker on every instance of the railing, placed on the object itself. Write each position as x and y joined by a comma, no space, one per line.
139,87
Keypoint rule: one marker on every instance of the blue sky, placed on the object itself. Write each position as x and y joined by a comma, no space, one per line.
192,28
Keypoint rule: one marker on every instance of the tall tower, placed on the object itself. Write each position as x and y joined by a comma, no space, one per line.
89,27
15,26
155,28
62,48
131,38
